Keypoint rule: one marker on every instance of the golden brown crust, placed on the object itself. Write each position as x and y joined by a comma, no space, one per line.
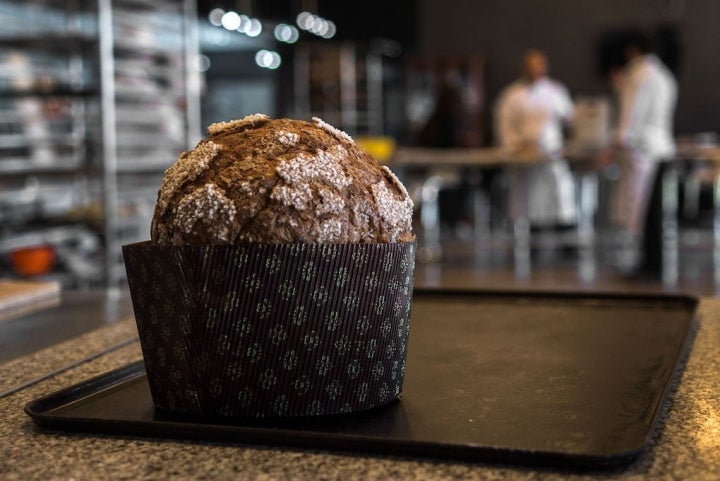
279,181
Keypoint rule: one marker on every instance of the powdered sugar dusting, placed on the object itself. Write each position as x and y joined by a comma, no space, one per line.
210,205
331,203
287,138
297,174
298,196
245,187
396,182
250,120
332,130
329,231
187,168
396,213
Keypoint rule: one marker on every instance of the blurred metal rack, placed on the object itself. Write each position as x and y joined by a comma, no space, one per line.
342,84
97,99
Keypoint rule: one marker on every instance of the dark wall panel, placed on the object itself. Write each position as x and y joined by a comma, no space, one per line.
570,31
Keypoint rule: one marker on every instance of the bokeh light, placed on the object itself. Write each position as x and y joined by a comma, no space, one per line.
215,16
268,59
230,20
286,33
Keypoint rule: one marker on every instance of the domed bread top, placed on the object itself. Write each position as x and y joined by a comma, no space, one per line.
259,179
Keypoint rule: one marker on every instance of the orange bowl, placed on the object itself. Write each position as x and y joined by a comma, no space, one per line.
33,261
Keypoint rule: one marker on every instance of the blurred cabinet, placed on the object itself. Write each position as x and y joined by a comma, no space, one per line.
97,99
342,84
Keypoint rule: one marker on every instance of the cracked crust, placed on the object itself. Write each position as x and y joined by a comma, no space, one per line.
279,181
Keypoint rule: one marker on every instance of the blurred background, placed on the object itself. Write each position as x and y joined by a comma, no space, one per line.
98,98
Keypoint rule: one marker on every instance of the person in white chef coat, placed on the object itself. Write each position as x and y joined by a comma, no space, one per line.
647,93
529,119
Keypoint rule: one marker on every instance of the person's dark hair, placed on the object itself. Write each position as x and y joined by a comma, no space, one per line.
664,41
639,40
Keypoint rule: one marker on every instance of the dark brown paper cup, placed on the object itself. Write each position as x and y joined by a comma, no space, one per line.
272,330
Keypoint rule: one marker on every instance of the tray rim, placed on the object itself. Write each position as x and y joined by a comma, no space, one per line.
679,297
40,411
40,408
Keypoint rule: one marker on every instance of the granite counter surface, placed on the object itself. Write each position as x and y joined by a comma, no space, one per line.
686,444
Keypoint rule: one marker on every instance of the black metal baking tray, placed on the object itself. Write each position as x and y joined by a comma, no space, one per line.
531,378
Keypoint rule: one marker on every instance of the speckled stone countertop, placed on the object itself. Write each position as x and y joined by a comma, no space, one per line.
686,446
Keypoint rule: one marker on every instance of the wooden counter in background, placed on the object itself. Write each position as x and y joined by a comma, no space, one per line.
69,315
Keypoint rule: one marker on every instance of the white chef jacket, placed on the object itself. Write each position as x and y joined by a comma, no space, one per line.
647,103
644,131
529,115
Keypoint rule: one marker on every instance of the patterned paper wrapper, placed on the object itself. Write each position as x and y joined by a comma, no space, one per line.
272,330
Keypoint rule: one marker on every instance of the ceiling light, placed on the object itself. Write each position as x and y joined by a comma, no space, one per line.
286,33
268,59
230,20
215,16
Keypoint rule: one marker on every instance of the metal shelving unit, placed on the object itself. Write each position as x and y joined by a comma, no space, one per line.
99,96
342,84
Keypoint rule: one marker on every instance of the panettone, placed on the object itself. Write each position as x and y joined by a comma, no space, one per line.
279,278
265,180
